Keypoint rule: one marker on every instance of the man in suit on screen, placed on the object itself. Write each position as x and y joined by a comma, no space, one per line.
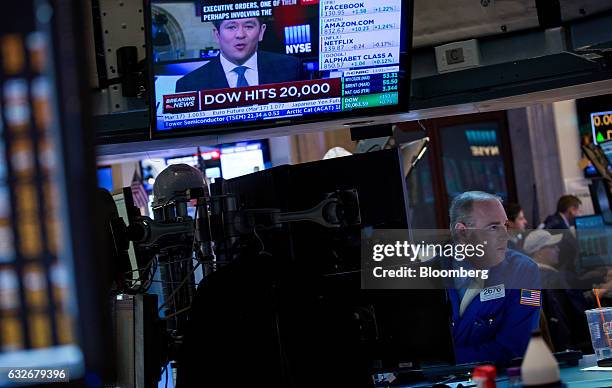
240,62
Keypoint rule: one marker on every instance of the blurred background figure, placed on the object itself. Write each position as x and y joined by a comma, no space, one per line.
517,225
562,308
543,248
568,208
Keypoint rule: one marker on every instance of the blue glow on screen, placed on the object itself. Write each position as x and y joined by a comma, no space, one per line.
105,178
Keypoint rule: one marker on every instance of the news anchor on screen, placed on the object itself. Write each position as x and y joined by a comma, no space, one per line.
240,62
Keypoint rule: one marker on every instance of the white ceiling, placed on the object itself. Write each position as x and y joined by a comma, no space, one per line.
441,21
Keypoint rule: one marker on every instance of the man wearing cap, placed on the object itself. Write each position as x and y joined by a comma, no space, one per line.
240,62
492,318
563,308
543,248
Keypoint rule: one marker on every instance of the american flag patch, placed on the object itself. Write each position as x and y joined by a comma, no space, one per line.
531,297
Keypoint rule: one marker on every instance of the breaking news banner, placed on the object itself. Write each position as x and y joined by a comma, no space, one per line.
221,10
253,95
282,92
255,112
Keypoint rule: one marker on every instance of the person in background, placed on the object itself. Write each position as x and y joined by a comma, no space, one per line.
492,318
568,208
517,225
563,308
543,248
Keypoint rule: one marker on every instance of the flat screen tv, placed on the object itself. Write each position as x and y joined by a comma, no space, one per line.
227,65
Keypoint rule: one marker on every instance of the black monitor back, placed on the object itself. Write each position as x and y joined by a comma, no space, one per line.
320,287
378,178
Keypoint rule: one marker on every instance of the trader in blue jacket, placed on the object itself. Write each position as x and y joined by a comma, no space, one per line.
493,318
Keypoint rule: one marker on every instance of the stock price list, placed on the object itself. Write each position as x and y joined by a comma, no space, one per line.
356,8
359,33
370,90
370,84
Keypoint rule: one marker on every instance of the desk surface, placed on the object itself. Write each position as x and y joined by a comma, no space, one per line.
572,377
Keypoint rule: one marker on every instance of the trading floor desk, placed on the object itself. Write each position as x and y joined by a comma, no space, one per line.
575,377
572,377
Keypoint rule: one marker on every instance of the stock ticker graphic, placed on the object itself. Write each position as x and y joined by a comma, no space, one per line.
601,124
334,56
36,302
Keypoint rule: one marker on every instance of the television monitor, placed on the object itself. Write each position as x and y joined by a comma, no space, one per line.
225,65
52,273
594,241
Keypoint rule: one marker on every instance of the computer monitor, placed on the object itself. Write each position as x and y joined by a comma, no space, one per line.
589,222
51,290
606,147
320,307
241,159
225,161
594,242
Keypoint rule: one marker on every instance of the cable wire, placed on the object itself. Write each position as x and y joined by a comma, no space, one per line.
165,318
177,289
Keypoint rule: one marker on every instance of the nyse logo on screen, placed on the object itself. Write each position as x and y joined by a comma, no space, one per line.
297,39
482,143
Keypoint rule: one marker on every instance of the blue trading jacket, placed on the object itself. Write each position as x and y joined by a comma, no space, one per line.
499,329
